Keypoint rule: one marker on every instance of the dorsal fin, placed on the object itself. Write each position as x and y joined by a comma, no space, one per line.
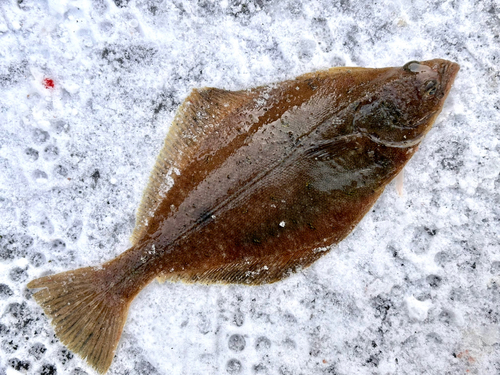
197,117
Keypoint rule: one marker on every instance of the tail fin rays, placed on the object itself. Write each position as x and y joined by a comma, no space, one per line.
87,315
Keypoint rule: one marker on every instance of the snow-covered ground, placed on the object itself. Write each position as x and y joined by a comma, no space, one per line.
414,290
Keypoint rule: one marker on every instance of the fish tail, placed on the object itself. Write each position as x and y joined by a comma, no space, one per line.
88,310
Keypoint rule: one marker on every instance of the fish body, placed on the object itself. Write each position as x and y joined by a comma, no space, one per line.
250,184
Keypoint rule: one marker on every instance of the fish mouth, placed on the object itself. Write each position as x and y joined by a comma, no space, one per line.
448,71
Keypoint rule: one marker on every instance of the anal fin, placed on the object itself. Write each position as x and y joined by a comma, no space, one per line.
261,271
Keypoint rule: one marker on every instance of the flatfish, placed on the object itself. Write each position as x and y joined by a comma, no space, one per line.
249,185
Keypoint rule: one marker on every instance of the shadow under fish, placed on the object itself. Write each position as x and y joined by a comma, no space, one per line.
249,184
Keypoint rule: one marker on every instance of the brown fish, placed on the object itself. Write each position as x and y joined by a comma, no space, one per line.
249,185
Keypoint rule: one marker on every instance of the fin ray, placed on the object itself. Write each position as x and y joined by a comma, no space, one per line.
205,106
87,319
261,271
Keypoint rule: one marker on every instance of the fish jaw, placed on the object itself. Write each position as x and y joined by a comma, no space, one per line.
446,72
449,72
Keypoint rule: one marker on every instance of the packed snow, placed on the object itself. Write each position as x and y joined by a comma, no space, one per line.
88,90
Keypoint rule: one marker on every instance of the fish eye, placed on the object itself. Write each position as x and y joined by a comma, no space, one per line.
411,66
431,86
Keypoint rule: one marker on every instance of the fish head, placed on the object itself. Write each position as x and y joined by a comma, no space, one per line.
404,102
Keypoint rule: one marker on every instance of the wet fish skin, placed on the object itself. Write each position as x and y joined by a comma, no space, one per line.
286,168
260,179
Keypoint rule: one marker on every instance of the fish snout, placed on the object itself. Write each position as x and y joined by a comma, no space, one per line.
434,77
448,70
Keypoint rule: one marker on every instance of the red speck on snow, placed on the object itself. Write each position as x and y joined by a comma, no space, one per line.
48,83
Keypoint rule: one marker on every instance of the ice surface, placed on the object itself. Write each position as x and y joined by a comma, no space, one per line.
414,290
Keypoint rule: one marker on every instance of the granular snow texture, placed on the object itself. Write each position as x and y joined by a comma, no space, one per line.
88,90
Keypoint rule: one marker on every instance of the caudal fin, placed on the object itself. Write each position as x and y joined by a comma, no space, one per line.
88,317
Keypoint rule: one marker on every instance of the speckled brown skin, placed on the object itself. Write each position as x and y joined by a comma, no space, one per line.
263,183
318,170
